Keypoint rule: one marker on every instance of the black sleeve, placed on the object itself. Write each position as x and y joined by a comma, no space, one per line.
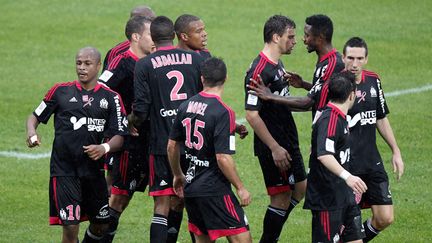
224,139
113,77
117,121
382,109
177,132
326,144
252,102
48,105
105,62
141,106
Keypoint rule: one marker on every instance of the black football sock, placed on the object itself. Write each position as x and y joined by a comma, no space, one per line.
370,231
114,221
158,229
89,237
274,220
292,205
174,223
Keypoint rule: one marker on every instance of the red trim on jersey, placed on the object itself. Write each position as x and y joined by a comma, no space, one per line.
274,190
335,113
117,191
330,67
151,170
194,229
267,59
165,48
165,192
230,111
51,92
370,74
323,95
230,207
336,109
131,54
332,52
118,48
215,234
259,68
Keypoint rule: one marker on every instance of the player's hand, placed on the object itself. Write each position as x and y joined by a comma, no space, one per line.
178,185
294,79
281,158
398,165
94,151
356,184
33,140
132,124
244,196
241,130
258,88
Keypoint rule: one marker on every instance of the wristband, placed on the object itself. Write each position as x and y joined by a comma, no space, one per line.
344,175
33,139
106,147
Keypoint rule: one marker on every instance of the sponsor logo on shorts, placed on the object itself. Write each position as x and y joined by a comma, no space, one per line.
163,183
62,214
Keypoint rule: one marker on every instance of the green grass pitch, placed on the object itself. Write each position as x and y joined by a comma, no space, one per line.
39,39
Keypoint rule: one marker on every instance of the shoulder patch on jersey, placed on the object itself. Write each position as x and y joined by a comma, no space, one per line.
40,108
252,99
105,76
330,145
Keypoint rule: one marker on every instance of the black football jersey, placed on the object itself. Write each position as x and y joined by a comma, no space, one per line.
328,65
113,52
81,118
370,105
325,190
206,126
119,77
277,117
162,81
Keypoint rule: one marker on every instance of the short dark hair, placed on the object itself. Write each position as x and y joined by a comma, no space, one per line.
136,24
162,29
355,42
182,23
214,72
321,25
340,86
277,24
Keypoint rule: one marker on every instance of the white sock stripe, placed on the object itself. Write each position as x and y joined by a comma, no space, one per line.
95,237
370,227
159,220
281,213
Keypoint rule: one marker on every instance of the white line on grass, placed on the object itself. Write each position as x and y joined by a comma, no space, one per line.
19,155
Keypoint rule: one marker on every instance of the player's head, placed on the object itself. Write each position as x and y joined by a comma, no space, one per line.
137,31
213,72
318,31
342,87
87,63
280,31
144,11
162,30
191,32
355,54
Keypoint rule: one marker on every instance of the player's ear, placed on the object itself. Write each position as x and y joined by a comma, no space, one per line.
184,37
275,38
135,37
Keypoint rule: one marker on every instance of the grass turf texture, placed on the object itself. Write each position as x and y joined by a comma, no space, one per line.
39,40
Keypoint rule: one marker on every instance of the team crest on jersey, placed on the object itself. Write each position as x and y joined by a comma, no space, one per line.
62,214
190,173
103,103
373,92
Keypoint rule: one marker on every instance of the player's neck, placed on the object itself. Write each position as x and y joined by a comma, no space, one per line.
344,107
88,85
164,44
183,46
218,90
271,52
136,51
326,48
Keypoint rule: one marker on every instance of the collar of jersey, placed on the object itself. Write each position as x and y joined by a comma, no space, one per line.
96,88
165,48
333,107
333,51
267,59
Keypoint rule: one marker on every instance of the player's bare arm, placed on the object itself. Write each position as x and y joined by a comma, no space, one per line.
173,151
354,182
384,128
263,92
280,155
297,81
228,168
32,137
96,151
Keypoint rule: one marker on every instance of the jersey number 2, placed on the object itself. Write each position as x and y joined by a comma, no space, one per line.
175,95
198,124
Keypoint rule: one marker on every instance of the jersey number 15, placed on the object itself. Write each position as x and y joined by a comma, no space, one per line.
198,124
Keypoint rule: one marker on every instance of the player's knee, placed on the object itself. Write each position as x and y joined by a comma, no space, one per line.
176,204
119,202
70,233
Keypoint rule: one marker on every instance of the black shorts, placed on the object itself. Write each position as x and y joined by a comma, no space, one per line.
330,226
378,192
216,216
76,199
160,175
130,172
276,181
